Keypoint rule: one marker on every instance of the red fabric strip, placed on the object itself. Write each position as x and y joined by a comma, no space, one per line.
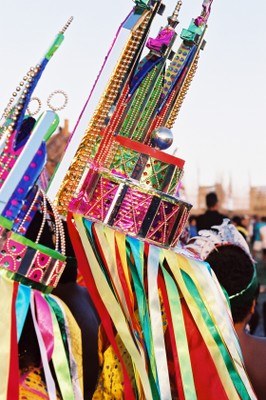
207,382
152,152
127,291
13,380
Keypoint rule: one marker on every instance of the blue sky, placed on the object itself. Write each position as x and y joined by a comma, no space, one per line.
220,129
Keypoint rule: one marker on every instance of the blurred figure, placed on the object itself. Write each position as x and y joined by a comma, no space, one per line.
252,222
192,226
237,222
262,230
257,244
212,216
245,222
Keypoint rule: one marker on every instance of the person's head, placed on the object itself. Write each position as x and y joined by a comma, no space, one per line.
192,220
211,200
236,220
236,273
245,221
228,254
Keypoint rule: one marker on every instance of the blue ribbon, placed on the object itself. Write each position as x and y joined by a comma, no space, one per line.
22,307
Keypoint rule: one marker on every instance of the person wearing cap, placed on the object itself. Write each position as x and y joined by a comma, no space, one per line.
227,252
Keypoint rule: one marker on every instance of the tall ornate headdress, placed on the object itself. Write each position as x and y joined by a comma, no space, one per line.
22,160
119,191
120,175
29,268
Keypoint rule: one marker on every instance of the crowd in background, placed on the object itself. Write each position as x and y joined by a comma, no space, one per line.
251,227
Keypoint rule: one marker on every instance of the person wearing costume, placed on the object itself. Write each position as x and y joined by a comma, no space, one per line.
162,312
228,254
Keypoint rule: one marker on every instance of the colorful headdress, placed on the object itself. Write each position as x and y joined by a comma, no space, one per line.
29,268
22,160
120,175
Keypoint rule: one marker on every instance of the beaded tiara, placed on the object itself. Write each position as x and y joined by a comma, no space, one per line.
222,235
219,235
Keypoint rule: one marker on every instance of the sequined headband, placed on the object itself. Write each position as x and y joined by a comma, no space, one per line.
222,235
249,293
218,235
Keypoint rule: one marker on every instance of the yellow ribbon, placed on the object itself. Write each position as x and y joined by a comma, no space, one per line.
180,337
107,241
157,323
216,304
6,293
60,362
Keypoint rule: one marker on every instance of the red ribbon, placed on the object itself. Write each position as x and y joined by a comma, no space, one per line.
13,379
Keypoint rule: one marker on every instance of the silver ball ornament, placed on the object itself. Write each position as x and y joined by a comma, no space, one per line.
161,138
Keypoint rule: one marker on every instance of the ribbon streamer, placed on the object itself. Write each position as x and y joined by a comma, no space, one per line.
60,360
50,384
6,290
156,323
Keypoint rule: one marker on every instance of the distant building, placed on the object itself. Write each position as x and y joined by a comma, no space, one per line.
56,147
252,201
257,197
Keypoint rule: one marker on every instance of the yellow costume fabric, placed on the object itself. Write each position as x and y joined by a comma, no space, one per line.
33,387
110,383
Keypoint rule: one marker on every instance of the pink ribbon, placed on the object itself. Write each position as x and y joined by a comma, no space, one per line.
50,384
45,323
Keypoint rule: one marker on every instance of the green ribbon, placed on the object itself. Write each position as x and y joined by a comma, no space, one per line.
56,44
88,226
137,273
37,246
60,356
6,223
60,319
180,336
